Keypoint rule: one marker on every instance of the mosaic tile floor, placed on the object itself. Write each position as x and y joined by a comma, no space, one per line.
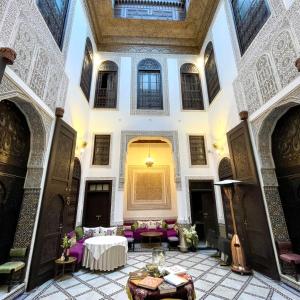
212,281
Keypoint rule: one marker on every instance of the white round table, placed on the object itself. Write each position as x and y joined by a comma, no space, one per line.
105,253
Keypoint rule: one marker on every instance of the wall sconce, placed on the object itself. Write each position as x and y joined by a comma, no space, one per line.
83,146
219,149
80,148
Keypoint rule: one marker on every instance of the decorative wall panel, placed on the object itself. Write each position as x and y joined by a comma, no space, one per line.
265,77
148,188
285,55
40,62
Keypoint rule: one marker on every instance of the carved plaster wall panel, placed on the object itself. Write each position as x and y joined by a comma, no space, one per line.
40,62
284,55
148,189
266,78
270,56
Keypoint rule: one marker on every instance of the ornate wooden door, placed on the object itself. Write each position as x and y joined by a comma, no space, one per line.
72,208
14,151
286,154
248,205
97,204
203,207
55,203
225,172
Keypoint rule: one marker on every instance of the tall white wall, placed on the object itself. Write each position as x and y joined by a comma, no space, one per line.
213,122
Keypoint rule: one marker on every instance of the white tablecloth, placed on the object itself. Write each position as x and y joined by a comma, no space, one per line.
105,253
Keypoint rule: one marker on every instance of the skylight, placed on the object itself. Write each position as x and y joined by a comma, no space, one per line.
171,10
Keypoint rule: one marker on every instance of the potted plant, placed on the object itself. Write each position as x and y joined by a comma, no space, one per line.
191,237
66,245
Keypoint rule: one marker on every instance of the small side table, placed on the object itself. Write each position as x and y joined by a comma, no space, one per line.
66,265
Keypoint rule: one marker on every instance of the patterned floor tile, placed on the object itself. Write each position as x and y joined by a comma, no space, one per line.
110,288
235,284
98,281
211,281
187,263
67,281
123,281
195,273
78,290
203,285
211,277
257,291
245,296
224,292
55,296
202,267
90,296
120,296
115,275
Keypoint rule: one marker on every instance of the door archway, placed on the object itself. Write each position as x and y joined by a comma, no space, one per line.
14,153
286,155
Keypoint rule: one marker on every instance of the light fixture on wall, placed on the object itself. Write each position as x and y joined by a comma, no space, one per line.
219,149
149,160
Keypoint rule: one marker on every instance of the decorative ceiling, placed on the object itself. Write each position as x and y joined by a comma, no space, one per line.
140,35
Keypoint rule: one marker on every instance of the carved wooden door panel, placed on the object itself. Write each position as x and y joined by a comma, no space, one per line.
54,209
248,205
286,154
14,152
225,172
97,206
74,195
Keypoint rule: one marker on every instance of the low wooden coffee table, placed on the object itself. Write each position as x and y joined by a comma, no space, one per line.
152,235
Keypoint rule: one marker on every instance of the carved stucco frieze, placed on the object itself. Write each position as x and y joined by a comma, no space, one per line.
40,62
266,78
27,217
271,55
276,214
284,55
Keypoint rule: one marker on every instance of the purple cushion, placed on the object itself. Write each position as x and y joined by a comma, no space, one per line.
77,251
291,257
128,233
171,232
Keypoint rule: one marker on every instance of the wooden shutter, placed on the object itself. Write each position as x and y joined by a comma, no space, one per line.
101,150
197,150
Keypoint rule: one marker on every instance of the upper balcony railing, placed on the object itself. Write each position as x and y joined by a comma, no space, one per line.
151,9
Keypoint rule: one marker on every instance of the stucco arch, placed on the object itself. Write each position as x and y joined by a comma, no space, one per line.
171,137
267,166
39,123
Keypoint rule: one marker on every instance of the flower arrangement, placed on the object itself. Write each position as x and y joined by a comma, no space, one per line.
191,236
66,242
66,245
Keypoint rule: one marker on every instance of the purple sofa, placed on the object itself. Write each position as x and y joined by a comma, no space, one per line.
136,234
78,249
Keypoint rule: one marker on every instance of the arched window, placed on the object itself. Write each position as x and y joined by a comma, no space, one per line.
249,17
192,98
107,85
149,85
211,73
87,69
55,13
